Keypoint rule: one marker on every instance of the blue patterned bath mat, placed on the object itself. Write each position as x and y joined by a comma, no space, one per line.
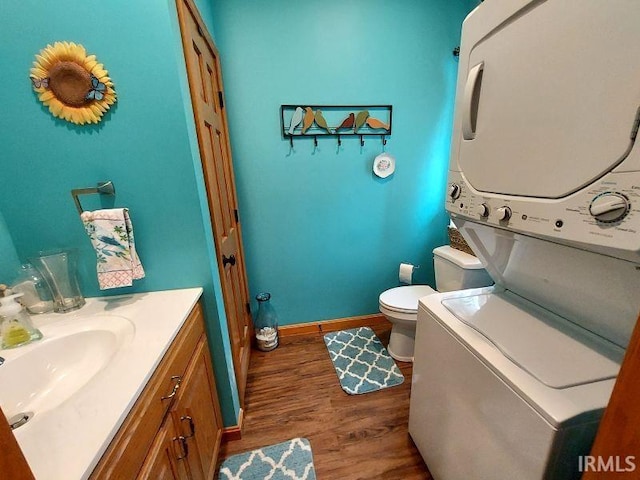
363,365
291,460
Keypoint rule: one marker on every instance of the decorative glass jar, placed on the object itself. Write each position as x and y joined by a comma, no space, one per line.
266,324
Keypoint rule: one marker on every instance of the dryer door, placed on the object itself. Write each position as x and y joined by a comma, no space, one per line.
551,98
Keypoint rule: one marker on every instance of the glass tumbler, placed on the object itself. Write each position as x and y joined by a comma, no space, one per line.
36,294
59,270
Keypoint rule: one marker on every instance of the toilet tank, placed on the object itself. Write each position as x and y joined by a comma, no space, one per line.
457,270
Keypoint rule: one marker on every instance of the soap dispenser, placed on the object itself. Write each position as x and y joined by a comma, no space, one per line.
16,328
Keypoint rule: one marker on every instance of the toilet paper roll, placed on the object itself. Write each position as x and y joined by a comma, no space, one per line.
406,272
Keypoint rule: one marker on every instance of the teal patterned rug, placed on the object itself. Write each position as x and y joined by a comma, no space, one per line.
362,363
291,460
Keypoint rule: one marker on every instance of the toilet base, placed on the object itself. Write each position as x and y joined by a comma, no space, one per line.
400,359
402,342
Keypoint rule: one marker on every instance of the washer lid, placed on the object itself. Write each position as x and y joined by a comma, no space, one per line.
404,299
553,350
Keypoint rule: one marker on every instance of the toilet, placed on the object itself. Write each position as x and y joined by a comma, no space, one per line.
454,270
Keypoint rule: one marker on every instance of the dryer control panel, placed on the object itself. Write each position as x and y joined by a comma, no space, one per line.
602,215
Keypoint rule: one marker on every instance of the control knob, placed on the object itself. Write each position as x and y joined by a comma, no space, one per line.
609,207
504,213
482,210
454,191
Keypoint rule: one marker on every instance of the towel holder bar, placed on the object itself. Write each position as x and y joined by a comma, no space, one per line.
103,188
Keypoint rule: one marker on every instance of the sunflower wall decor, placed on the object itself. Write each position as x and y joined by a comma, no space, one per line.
71,83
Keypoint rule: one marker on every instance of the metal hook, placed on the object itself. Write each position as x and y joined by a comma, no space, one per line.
291,141
315,141
384,142
361,141
339,141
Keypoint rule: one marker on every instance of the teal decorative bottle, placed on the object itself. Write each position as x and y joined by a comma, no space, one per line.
266,324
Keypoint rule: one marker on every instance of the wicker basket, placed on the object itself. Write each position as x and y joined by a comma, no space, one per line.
458,242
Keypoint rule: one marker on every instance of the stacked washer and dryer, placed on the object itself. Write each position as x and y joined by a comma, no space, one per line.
510,381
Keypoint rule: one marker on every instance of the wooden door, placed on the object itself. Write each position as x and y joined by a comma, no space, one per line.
205,85
197,414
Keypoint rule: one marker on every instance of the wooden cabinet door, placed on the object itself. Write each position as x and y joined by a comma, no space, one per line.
134,440
196,414
205,85
12,461
166,459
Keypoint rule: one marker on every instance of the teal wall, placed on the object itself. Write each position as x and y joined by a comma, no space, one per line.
321,232
9,262
146,145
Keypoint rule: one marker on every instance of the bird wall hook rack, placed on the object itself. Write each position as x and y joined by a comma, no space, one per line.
300,120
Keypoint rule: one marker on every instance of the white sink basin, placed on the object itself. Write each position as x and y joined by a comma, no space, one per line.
48,372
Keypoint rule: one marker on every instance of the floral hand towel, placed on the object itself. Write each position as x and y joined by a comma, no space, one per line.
111,234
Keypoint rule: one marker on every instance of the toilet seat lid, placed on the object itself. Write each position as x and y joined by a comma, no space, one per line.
404,299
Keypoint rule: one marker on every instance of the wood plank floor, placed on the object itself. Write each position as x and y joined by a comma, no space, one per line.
293,391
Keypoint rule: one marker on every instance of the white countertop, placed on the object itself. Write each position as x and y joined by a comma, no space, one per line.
67,441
